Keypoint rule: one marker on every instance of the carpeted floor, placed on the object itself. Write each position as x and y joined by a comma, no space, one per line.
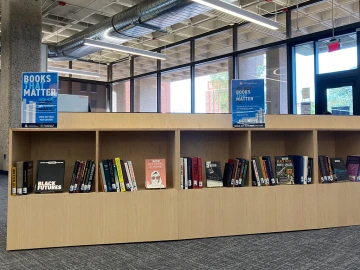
319,249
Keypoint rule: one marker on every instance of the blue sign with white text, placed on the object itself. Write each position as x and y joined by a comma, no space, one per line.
39,99
248,103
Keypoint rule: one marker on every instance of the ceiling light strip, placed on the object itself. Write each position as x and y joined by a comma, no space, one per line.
239,12
121,48
73,71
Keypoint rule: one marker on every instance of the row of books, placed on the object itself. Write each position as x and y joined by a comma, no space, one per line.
49,177
83,176
289,170
116,175
335,170
234,174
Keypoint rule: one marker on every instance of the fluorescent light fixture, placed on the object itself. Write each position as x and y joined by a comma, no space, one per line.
73,71
239,12
121,48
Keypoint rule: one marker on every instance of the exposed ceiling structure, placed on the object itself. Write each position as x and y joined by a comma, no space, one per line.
61,21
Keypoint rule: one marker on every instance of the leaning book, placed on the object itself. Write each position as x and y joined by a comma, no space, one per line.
155,170
50,176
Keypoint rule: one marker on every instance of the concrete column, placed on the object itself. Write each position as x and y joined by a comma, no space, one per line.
276,83
21,52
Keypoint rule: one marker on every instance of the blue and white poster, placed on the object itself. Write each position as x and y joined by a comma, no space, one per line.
248,103
39,99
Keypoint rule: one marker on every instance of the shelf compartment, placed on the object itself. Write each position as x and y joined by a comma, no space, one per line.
215,146
47,145
136,146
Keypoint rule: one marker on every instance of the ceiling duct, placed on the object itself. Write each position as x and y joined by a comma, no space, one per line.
147,17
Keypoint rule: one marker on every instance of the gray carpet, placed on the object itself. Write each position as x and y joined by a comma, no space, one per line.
319,249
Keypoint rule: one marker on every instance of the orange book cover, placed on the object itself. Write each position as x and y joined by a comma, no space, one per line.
155,171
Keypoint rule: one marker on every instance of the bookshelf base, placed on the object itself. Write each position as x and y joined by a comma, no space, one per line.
56,220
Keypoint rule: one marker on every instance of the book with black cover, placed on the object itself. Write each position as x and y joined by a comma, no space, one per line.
298,163
106,167
339,169
112,177
323,175
270,170
214,177
244,171
310,170
28,181
189,172
50,176
228,172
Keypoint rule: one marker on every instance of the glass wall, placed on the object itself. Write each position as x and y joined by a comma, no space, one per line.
214,45
270,65
145,94
212,87
144,65
305,78
121,97
343,59
121,70
176,55
92,67
95,92
176,91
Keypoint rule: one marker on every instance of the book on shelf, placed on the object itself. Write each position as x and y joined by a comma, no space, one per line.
82,176
284,170
353,165
194,172
50,176
269,169
339,169
310,170
200,172
132,175
22,178
228,173
13,181
191,173
214,176
155,173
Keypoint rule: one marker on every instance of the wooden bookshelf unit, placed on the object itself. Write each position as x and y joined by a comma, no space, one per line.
55,220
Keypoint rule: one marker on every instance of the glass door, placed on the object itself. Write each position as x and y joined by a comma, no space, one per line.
340,100
335,97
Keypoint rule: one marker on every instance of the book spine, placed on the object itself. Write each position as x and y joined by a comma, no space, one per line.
78,175
194,173
91,176
112,177
323,177
310,170
270,171
259,171
331,174
13,181
244,173
238,178
131,169
83,179
19,177
126,179
189,166
200,171
186,177
117,184
107,175
73,177
327,172
232,182
101,166
120,174
30,177
181,173
101,183
256,173
87,177
267,181
25,178
131,187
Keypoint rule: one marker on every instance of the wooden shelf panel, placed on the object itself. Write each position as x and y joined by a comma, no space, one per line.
136,146
97,218
215,146
65,145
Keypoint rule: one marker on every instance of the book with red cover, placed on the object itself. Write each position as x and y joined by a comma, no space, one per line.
194,170
235,163
200,172
155,171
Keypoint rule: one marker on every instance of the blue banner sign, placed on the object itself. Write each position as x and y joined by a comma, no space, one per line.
39,99
248,103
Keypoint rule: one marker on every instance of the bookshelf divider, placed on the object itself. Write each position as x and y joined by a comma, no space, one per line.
55,220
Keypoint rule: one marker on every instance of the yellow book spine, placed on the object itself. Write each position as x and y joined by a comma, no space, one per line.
120,174
13,181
